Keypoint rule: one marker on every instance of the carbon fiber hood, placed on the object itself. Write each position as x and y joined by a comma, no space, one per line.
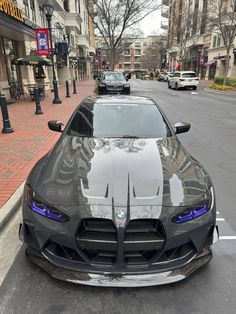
90,171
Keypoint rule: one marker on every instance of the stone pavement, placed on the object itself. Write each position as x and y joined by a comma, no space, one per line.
31,138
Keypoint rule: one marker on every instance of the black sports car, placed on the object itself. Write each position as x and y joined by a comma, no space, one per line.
118,201
113,82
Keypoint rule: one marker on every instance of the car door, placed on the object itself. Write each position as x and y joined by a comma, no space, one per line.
174,79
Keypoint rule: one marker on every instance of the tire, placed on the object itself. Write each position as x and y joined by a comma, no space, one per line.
128,92
169,85
194,87
176,86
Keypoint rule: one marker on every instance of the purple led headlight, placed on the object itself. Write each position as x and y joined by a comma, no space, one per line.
197,210
43,209
46,211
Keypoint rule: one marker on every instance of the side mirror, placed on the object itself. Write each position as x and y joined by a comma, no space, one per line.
55,125
181,127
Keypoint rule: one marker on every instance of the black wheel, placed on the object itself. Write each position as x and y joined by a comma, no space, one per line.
176,86
127,92
169,85
194,87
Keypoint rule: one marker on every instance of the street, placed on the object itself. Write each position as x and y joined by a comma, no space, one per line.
27,289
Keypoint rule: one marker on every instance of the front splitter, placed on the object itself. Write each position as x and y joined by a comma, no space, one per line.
124,280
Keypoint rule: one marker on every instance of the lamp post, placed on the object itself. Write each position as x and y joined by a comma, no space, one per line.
48,10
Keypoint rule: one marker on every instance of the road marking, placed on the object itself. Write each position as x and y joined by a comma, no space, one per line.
220,219
227,237
217,213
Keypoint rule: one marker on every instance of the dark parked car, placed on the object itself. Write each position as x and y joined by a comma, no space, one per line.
113,82
118,201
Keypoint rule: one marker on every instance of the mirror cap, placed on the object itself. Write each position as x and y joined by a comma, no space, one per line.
55,125
181,127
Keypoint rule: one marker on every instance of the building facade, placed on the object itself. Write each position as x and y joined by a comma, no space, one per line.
70,24
193,42
132,58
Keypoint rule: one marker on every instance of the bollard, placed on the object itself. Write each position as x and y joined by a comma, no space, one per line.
37,101
5,117
74,86
67,89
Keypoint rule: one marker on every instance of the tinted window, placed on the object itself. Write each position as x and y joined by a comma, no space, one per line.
176,75
118,120
190,74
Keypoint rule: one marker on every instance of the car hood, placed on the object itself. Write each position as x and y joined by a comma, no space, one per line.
90,171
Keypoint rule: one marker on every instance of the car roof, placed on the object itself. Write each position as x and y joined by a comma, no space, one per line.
119,99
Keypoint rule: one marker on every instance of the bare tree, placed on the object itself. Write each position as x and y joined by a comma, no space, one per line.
117,21
154,54
223,22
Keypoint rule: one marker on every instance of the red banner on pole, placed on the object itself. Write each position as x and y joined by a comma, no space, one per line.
42,41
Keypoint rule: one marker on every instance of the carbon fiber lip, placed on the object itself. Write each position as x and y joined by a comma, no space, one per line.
123,280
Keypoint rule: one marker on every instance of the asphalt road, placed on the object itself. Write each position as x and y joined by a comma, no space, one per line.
27,289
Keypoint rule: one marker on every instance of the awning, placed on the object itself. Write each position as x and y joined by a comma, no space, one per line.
32,59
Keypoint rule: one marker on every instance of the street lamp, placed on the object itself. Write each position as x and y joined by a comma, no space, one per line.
48,10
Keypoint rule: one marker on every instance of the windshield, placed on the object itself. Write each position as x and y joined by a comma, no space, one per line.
114,76
119,120
190,74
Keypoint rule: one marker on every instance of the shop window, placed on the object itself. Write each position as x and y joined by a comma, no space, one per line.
26,8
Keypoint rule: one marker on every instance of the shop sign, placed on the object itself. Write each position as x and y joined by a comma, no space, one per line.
42,42
11,9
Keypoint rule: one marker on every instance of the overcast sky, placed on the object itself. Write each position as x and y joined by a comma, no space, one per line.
152,23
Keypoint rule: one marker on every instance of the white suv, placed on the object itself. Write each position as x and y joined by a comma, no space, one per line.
183,79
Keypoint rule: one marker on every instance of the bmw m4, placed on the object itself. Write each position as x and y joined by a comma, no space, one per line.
118,201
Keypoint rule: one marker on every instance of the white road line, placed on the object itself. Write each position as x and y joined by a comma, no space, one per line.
228,238
220,219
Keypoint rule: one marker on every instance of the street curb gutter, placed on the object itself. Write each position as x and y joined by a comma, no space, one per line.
11,206
219,92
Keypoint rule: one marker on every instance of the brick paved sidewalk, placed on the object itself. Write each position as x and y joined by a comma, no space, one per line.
31,138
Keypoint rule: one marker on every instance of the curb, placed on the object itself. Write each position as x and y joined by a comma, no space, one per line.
219,92
11,206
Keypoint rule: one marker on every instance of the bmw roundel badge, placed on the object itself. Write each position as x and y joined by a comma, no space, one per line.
121,214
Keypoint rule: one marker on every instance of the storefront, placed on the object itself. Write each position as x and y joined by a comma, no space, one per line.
16,36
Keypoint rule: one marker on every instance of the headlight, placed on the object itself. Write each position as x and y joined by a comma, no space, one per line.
197,210
102,85
126,85
43,209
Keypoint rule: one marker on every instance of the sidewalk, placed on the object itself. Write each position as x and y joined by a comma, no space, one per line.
31,138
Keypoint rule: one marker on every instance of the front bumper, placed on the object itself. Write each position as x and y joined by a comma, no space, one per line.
89,274
106,279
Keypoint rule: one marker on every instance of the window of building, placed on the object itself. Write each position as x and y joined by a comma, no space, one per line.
216,41
137,44
137,66
127,66
126,59
42,17
127,52
32,6
26,8
66,5
137,59
120,66
137,51
144,44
